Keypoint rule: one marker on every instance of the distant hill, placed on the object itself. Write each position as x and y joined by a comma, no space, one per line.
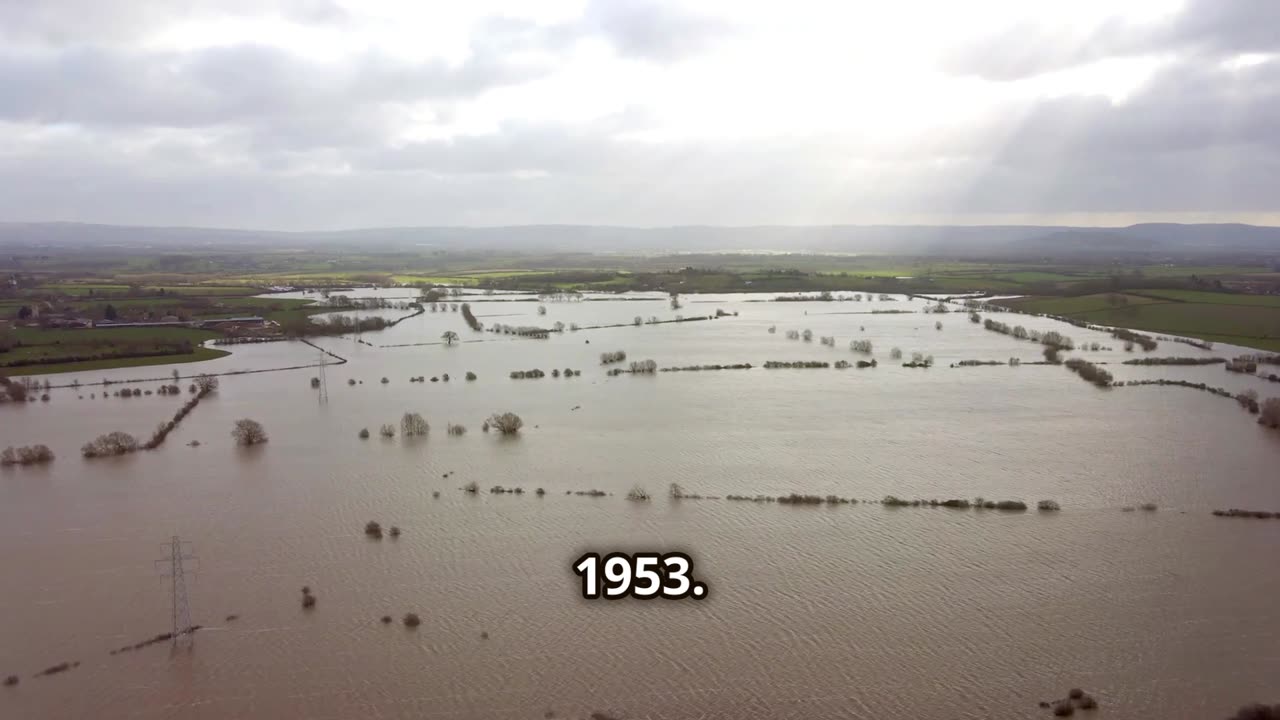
958,240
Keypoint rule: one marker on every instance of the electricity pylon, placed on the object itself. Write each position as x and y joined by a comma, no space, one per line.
324,382
172,567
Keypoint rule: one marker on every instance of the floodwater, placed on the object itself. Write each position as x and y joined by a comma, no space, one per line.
850,611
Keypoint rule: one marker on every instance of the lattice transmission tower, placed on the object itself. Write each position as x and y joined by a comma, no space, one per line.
324,381
173,567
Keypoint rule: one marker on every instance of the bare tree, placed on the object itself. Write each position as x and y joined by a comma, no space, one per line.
507,423
206,383
248,432
413,424
1269,414
449,337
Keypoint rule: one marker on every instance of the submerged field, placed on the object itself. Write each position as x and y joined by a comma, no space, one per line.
825,610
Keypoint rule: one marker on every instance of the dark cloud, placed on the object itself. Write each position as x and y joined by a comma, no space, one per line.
1194,137
652,30
1205,28
243,83
1159,151
68,22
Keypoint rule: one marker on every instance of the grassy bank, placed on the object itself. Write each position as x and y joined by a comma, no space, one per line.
45,350
1248,320
198,355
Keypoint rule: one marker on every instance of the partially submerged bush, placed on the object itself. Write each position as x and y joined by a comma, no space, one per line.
110,444
373,529
638,493
507,423
387,430
26,455
364,433
641,367
1090,372
411,620
1048,505
471,375
412,424
457,429
471,487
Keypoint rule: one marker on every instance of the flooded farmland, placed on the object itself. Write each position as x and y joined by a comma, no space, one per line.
845,610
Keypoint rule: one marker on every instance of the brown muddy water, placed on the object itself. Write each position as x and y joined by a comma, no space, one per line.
851,611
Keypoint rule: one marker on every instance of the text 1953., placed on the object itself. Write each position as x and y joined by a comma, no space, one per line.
643,575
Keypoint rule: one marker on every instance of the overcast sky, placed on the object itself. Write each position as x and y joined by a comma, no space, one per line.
325,114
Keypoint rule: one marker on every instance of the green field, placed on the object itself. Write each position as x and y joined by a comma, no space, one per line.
1248,320
200,354
82,336
1080,304
52,344
1035,277
1196,296
1200,270
1196,319
466,277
